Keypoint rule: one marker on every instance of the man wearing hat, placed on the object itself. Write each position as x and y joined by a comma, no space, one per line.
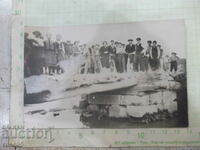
154,56
112,55
59,48
130,49
112,48
138,59
104,55
147,55
68,49
173,62
50,57
161,59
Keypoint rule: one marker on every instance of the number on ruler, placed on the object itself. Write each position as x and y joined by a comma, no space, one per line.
116,132
80,135
152,131
164,131
141,135
177,131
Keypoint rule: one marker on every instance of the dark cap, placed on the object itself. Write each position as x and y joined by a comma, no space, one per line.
155,42
116,42
138,39
112,41
149,41
130,39
174,53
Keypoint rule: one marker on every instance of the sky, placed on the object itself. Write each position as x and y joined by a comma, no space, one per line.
169,34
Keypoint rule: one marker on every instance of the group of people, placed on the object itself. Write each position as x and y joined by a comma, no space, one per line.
116,56
120,58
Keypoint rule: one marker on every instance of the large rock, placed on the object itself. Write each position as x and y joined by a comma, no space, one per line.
140,111
117,111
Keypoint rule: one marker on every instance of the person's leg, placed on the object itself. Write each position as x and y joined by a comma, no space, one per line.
151,63
117,62
43,70
47,70
142,63
136,63
125,62
171,66
104,61
86,67
175,66
120,63
146,64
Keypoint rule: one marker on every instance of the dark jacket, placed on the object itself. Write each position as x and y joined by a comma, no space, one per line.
154,52
111,50
130,48
103,50
49,45
68,49
138,49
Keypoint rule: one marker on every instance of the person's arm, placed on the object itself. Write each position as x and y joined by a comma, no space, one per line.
158,52
34,42
142,50
170,59
150,52
134,49
115,50
126,49
63,47
55,47
100,51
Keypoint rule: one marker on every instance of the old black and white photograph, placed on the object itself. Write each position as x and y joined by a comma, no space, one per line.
122,75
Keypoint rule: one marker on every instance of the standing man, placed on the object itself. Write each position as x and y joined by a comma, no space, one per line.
154,56
112,48
75,48
49,54
59,48
147,55
138,59
104,54
161,59
130,49
68,49
173,62
119,57
112,55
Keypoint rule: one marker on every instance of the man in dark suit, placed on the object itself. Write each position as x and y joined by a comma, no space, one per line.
104,54
138,59
112,48
155,54
130,49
